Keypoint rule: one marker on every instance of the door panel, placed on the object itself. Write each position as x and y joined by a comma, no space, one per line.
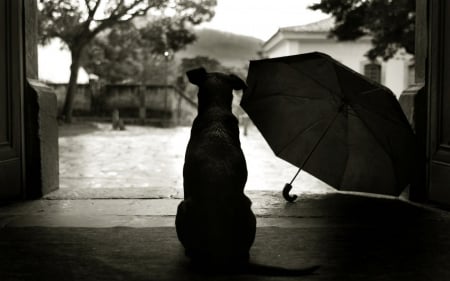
3,100
439,94
10,99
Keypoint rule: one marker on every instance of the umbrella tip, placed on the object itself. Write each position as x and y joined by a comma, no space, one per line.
286,195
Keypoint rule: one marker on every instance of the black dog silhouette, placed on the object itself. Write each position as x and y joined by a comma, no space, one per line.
215,222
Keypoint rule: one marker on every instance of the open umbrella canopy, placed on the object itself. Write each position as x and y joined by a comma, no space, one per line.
332,122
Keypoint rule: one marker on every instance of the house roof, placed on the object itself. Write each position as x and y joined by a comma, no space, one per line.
312,31
320,26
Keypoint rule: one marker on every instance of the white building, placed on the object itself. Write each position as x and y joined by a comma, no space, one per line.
396,73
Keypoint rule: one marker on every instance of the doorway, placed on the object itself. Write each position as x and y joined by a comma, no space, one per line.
11,95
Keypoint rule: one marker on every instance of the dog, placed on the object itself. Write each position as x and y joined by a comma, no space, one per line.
214,222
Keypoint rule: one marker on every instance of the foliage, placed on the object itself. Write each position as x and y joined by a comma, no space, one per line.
390,23
115,56
78,22
187,64
131,54
175,35
210,64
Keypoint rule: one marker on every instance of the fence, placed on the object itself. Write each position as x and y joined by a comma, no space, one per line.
145,103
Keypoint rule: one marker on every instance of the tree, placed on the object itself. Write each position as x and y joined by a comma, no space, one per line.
390,23
132,54
77,23
210,64
115,55
158,51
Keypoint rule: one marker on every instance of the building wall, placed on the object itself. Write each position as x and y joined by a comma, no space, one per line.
350,54
281,49
397,75
394,73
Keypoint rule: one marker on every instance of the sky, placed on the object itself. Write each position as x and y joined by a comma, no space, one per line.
256,18
261,18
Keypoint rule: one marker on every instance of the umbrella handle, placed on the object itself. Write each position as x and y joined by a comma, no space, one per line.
286,195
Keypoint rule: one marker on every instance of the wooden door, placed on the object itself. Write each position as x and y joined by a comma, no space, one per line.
439,101
10,99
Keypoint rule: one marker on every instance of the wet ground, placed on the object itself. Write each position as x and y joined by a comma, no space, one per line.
142,159
104,224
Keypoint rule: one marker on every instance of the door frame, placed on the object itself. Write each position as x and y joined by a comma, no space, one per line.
13,149
438,152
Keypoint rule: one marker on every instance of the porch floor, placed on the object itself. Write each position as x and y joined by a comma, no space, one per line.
352,237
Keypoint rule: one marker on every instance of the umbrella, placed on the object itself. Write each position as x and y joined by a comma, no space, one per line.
332,122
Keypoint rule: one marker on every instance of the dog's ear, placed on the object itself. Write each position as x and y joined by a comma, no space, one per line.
196,76
237,83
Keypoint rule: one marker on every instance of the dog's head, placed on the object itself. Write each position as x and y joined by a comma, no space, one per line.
215,87
199,76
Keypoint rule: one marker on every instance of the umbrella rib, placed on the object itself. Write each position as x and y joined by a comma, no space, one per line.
312,78
278,94
296,135
381,116
370,91
394,121
377,86
316,144
307,129
373,134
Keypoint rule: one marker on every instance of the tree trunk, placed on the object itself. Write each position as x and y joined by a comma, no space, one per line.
72,86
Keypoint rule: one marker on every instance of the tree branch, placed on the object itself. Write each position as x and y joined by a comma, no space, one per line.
140,12
88,6
94,10
117,9
116,15
120,4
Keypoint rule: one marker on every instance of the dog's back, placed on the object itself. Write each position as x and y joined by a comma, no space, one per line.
214,162
215,222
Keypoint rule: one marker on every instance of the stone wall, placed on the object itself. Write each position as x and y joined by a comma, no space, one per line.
134,101
83,97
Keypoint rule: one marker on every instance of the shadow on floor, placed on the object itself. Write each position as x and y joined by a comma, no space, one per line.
351,237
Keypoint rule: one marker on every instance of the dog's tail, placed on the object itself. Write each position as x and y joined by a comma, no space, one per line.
268,270
246,268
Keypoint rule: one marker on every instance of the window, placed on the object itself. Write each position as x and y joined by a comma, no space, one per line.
411,74
373,71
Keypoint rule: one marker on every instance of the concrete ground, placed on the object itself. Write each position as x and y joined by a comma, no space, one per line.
148,161
114,181
352,238
109,178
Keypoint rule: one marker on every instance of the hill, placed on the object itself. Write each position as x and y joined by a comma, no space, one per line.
229,49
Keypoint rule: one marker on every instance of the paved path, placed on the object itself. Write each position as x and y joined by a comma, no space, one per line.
95,156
